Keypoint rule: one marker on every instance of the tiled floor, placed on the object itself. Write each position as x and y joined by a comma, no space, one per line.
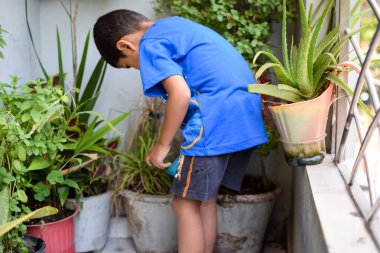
117,245
119,233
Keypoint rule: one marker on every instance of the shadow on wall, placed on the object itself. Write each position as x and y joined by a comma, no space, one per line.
279,171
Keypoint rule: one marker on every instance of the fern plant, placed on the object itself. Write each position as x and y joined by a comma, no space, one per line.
310,66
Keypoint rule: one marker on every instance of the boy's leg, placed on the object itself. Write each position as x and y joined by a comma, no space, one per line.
191,237
209,222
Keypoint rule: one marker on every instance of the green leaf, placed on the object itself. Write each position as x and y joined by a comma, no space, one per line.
82,66
36,115
290,89
63,192
71,183
60,64
90,137
335,79
31,39
22,196
284,44
25,117
93,82
279,70
329,39
41,191
304,23
39,213
274,91
4,205
51,112
303,81
55,177
21,153
18,166
38,163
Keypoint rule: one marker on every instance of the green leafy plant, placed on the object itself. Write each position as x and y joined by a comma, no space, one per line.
245,24
311,65
87,151
2,41
32,134
134,174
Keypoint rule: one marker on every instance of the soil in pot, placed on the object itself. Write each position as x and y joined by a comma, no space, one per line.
251,185
243,216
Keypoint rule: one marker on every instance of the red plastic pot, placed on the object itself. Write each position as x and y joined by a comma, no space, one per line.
58,236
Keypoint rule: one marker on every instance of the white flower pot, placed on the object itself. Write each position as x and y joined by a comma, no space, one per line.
154,228
242,221
91,225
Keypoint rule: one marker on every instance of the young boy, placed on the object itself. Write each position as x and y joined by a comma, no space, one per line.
205,81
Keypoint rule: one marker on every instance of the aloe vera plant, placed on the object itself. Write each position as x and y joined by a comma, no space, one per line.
309,67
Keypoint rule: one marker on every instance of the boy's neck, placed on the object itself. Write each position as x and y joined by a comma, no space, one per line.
144,26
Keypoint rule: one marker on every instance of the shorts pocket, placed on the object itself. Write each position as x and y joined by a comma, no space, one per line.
201,165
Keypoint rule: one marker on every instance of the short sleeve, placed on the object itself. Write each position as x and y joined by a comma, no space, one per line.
157,59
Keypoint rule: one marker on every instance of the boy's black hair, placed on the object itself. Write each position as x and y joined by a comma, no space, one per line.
111,27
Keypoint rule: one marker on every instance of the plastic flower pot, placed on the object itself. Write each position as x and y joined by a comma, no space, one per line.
34,244
58,236
302,127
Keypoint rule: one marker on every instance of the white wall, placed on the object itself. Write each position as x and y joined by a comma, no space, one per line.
18,56
121,91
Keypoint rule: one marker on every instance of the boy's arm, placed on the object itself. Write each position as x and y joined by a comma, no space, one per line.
175,111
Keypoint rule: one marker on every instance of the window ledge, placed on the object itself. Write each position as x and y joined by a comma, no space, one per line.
343,227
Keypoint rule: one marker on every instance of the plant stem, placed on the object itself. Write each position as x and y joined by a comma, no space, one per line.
73,21
263,174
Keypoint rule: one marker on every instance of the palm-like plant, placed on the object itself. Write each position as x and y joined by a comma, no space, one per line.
309,67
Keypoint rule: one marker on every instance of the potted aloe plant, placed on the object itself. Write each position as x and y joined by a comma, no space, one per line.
307,77
146,189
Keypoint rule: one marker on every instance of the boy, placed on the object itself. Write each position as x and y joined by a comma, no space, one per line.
205,80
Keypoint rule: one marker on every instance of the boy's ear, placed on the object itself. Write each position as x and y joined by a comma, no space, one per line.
123,45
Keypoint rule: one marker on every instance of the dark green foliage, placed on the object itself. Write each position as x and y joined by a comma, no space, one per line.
244,23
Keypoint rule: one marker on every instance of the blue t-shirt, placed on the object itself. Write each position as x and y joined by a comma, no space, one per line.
223,116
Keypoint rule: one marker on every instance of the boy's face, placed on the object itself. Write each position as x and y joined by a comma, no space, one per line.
130,50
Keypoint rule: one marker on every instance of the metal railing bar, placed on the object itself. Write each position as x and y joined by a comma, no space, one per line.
375,8
368,78
373,211
371,188
358,88
359,196
364,145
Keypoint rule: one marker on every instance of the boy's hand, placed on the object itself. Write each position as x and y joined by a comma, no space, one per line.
157,155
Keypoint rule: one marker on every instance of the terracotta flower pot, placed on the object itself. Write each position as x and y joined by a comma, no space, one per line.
58,236
302,127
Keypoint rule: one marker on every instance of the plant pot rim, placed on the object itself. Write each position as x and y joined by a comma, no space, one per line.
146,197
96,195
331,86
304,142
251,198
76,210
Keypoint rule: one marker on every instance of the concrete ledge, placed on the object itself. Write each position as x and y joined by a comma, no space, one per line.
343,228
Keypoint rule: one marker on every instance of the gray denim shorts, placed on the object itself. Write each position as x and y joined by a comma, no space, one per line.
199,177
